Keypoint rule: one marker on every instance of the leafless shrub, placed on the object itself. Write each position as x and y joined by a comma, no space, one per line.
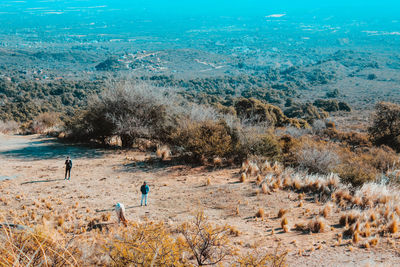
318,125
128,110
45,122
9,127
207,243
317,159
293,131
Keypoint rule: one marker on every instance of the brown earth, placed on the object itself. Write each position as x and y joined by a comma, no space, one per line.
100,178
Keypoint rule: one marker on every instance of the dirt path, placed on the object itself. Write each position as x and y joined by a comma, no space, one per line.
102,178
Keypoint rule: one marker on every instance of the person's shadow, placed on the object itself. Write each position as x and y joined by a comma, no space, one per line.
42,181
127,208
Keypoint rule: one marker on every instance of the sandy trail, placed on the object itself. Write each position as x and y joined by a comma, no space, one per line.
101,178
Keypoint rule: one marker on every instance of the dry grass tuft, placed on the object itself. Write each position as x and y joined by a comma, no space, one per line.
366,230
326,211
301,227
286,228
373,216
393,226
234,231
243,177
282,212
356,237
260,213
264,189
284,222
318,225
252,169
259,179
373,241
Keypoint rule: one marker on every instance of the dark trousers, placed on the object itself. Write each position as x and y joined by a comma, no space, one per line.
68,171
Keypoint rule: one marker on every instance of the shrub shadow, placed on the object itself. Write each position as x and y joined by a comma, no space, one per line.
50,149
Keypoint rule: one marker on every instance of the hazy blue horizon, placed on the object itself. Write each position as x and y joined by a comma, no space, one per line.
367,8
94,19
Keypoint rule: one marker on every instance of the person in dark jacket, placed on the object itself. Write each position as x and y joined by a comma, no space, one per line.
145,190
68,167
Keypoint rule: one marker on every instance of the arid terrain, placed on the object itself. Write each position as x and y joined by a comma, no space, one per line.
280,122
101,178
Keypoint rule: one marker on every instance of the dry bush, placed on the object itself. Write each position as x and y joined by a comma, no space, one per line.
356,172
208,244
257,112
44,122
258,141
145,244
382,158
7,127
349,218
318,225
286,228
257,258
206,139
41,246
163,152
127,110
353,139
317,158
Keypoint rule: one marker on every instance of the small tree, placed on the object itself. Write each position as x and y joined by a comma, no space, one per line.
385,129
127,110
208,244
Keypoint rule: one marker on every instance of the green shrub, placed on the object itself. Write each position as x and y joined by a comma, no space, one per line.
206,139
307,112
254,111
385,129
327,105
264,145
356,173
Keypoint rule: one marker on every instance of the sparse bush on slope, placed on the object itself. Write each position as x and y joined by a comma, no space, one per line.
331,105
307,112
254,111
